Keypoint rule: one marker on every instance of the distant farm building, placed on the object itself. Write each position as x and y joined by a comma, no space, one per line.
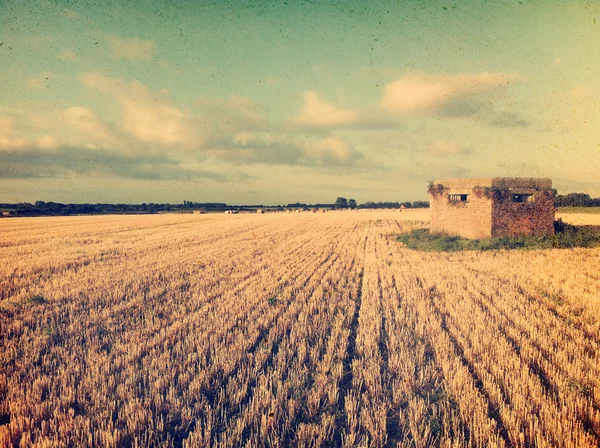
198,212
260,211
479,208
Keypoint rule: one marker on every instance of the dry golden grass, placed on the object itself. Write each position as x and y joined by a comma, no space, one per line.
290,330
580,219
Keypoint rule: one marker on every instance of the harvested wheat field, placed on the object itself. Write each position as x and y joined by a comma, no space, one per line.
580,219
290,330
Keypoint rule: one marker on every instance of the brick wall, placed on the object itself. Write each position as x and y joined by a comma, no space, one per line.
472,219
528,218
495,214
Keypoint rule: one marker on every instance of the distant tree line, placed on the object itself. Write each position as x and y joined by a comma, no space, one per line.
343,203
575,200
41,208
377,205
303,206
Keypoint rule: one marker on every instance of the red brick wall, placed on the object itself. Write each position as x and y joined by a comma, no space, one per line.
527,218
490,210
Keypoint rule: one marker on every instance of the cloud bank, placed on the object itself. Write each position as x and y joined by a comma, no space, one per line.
33,163
153,137
148,116
318,112
426,94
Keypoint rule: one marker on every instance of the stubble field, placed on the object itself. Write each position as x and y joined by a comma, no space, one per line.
290,330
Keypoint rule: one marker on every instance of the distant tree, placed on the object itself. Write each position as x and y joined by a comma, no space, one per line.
574,200
341,203
378,205
352,203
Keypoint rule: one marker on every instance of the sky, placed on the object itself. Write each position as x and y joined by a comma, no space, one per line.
273,102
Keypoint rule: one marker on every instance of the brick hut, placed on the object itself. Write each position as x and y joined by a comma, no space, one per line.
499,206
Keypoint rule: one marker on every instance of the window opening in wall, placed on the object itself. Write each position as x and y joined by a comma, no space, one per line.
457,198
522,198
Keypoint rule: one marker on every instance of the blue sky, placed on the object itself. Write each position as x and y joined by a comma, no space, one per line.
276,102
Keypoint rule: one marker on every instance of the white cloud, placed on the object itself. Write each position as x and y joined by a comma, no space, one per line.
332,148
47,127
254,138
85,121
318,112
428,94
277,148
47,142
7,138
150,117
130,48
66,55
145,120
